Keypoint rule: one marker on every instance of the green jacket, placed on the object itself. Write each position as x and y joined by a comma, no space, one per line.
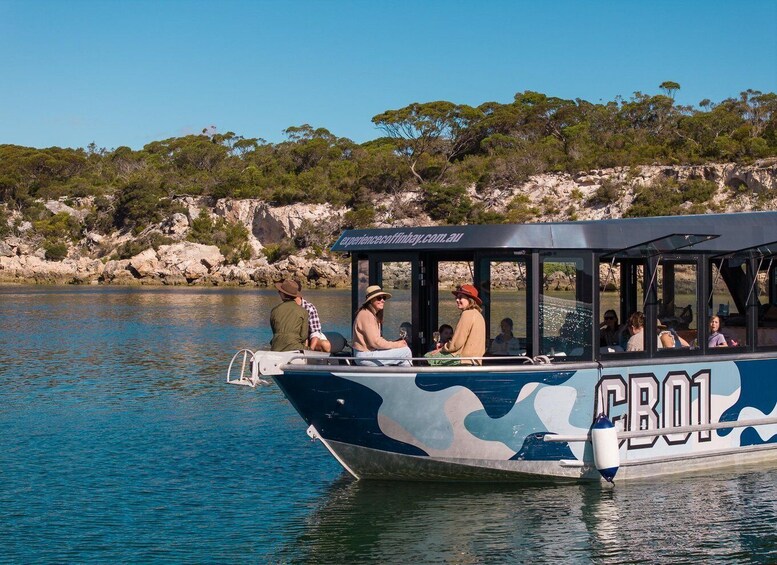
289,322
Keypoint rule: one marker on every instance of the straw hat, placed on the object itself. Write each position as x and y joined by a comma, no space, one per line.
289,288
374,291
469,291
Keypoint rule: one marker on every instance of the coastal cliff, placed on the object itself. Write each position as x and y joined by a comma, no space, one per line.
293,240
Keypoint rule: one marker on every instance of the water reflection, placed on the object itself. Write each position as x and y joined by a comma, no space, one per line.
671,521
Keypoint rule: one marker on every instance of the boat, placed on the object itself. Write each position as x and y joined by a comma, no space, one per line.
530,416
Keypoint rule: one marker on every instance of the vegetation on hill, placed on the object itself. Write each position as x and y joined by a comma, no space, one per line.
437,150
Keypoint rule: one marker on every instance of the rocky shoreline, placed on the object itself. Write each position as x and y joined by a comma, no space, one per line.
92,260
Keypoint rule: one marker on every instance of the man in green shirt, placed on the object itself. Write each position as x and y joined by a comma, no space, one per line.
289,320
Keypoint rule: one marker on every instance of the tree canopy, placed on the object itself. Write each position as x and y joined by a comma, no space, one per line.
437,149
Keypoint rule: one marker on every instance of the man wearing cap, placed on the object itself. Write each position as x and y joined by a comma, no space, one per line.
368,343
289,320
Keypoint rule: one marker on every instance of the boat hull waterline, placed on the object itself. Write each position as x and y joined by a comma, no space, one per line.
506,424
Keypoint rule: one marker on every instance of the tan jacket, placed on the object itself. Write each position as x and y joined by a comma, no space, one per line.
366,333
469,337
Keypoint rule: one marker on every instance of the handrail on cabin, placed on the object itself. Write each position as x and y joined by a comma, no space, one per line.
336,360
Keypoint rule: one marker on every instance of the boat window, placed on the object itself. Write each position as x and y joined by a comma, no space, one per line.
728,280
396,277
565,316
507,331
678,319
450,274
766,302
363,278
621,291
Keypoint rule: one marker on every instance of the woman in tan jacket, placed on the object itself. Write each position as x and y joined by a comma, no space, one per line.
469,337
368,343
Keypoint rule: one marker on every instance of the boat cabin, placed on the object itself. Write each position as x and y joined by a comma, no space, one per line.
547,287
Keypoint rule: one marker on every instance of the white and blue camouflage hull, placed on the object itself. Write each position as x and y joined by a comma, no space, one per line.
490,424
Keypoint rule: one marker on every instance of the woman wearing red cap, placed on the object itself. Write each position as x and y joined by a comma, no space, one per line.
469,337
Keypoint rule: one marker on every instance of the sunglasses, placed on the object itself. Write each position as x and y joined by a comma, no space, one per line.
380,299
609,318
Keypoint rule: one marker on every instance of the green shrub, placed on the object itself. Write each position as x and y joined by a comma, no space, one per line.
608,193
278,251
231,238
698,191
5,229
59,226
130,249
55,250
667,197
446,203
359,218
520,210
139,204
201,230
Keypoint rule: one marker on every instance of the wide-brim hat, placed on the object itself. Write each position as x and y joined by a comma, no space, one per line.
374,291
469,291
289,288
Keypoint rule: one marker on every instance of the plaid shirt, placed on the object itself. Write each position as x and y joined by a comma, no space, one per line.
313,320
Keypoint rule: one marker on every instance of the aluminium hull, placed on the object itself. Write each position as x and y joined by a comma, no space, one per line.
502,423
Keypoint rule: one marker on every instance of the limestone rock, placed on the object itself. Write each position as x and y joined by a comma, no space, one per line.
117,272
55,207
273,224
144,264
189,260
176,225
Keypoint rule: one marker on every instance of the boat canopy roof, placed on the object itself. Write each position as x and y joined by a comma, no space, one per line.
710,233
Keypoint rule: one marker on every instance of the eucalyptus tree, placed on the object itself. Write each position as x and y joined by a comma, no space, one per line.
433,133
670,87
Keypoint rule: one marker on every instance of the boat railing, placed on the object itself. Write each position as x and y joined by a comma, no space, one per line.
248,368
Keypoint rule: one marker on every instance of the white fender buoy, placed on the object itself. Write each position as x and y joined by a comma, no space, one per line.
604,439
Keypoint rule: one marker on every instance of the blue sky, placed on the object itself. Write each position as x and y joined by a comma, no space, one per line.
129,72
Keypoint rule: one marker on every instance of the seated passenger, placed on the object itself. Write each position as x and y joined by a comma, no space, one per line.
446,333
636,326
668,337
505,343
469,337
319,342
610,333
368,343
716,338
406,332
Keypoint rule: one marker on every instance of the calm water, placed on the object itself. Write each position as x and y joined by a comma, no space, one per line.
120,442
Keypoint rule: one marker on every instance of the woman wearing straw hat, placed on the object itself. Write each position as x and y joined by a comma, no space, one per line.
469,337
288,320
369,346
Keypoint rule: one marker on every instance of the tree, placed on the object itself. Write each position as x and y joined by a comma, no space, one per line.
670,87
440,130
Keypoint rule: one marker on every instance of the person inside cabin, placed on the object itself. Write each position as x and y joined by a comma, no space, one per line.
446,333
317,340
668,337
636,325
610,332
505,343
469,336
369,345
288,320
406,332
716,339
571,330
